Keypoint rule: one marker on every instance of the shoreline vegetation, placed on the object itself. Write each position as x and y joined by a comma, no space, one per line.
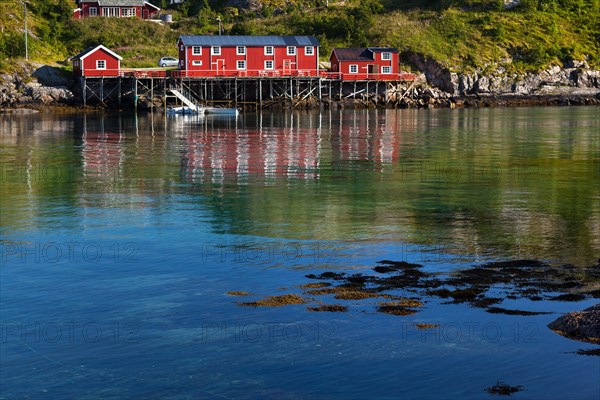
467,53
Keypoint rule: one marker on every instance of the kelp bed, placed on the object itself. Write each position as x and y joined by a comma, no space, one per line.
400,287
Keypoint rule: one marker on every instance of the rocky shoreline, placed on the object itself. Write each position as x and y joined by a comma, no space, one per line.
579,325
42,87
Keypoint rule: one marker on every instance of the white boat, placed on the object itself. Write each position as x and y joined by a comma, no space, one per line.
184,110
221,111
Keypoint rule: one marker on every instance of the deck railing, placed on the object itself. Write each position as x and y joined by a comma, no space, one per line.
309,73
114,73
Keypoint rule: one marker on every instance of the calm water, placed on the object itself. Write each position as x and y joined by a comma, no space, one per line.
121,237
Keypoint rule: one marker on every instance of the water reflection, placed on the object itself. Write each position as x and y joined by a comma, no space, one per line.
492,183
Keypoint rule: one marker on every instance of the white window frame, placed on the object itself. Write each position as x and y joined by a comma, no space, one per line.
181,47
309,51
269,62
386,55
111,12
198,52
386,69
240,65
100,64
93,11
240,50
271,49
353,67
215,50
291,50
128,12
197,63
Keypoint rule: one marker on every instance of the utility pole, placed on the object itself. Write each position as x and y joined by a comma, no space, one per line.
26,47
219,19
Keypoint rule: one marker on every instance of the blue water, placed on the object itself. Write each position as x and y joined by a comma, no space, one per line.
121,237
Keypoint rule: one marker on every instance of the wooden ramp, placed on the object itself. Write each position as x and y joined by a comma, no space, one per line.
184,99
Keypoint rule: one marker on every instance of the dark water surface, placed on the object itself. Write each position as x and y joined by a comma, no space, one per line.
121,237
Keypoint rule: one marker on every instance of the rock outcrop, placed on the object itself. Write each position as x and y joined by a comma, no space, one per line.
575,77
579,325
49,86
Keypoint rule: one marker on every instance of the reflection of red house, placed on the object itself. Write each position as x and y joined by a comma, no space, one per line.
365,63
103,155
115,8
248,55
96,61
252,155
367,136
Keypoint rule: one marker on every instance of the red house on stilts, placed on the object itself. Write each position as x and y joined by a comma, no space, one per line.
96,61
205,56
365,63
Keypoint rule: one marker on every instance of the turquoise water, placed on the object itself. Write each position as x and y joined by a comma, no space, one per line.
121,237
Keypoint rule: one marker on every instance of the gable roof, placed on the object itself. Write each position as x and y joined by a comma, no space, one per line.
90,50
232,40
360,53
151,5
120,3
116,3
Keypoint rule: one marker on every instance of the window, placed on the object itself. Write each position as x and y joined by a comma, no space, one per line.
111,12
269,64
100,64
386,70
291,51
181,47
353,69
128,12
216,50
269,50
76,63
196,50
197,63
241,50
386,56
309,51
241,64
93,11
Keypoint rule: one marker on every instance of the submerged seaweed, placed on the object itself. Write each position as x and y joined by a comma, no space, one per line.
276,301
502,389
479,286
329,308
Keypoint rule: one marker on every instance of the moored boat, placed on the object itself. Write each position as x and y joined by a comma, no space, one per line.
221,111
184,110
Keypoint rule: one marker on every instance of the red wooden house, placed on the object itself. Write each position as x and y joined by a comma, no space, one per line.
364,63
248,55
96,61
115,8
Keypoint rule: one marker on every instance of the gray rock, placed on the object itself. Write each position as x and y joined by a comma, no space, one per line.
577,64
579,325
436,74
47,95
52,76
482,85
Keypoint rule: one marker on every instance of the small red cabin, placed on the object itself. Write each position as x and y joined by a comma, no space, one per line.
97,61
248,55
362,63
115,8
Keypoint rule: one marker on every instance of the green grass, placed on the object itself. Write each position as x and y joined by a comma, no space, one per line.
460,34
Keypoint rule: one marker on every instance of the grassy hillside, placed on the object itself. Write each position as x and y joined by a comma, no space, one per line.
461,34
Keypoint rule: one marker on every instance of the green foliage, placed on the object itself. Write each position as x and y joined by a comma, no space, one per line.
457,33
